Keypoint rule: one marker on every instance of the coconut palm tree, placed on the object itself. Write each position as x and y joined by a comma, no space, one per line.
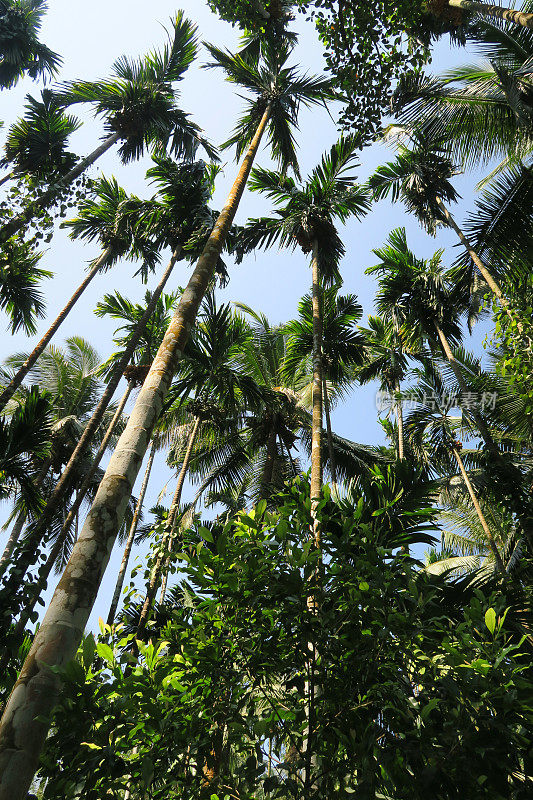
278,92
139,108
36,145
22,52
20,276
342,348
420,177
430,419
305,218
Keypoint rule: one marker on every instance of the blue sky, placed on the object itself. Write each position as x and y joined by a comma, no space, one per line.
90,36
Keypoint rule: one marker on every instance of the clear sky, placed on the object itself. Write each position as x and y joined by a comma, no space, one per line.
90,36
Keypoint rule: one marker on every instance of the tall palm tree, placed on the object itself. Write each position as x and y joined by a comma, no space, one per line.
522,18
111,218
420,177
278,94
342,348
20,48
20,276
139,108
432,420
305,217
36,145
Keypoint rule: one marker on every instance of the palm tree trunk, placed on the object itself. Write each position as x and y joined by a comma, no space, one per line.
485,10
486,529
64,483
399,418
270,460
21,519
22,728
131,537
7,177
14,225
17,379
168,535
489,280
332,464
316,434
478,419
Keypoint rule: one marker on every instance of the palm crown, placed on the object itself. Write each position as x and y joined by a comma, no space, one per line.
20,23
140,102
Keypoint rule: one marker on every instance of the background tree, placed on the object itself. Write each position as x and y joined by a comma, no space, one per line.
22,52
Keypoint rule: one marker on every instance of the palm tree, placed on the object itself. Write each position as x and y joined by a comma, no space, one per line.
36,145
139,107
306,219
22,52
342,348
386,360
509,14
431,419
112,219
420,177
20,276
279,93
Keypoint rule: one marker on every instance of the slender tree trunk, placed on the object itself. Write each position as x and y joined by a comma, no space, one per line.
484,525
485,10
489,280
168,535
7,177
17,379
399,418
332,464
15,224
316,435
64,483
270,460
478,419
131,537
21,519
23,728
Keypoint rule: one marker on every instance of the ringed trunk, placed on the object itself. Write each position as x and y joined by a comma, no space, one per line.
131,537
332,464
270,460
23,728
399,419
17,379
486,10
316,437
484,525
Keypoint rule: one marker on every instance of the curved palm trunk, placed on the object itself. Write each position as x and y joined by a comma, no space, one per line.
489,280
21,519
484,525
23,729
478,419
17,379
46,569
8,177
14,225
332,464
399,419
270,460
131,536
316,436
485,10
168,535
64,484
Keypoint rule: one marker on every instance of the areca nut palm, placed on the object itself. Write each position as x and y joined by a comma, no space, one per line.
111,218
20,48
278,93
306,217
218,392
433,420
420,177
139,108
36,145
386,360
486,9
20,276
342,347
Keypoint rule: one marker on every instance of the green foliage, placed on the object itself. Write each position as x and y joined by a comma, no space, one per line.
21,51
